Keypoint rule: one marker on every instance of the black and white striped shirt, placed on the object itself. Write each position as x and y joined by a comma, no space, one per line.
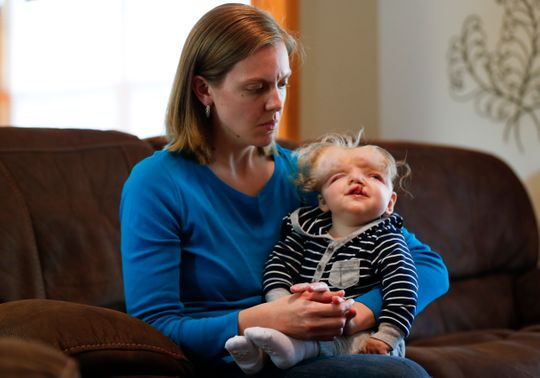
374,255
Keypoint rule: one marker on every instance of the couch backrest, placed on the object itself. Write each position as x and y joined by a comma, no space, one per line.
59,228
471,208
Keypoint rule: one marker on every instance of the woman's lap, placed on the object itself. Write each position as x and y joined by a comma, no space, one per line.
357,365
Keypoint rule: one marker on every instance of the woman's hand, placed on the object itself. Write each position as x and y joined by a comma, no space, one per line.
360,316
321,292
307,314
317,287
313,315
335,297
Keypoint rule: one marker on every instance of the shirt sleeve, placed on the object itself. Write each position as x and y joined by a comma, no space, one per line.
151,258
432,277
284,261
397,272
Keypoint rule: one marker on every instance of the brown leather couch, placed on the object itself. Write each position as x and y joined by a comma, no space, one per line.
60,270
24,358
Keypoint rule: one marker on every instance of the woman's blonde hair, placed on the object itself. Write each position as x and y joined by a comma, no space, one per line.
224,36
309,154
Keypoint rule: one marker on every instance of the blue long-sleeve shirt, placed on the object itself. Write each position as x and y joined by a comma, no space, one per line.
193,249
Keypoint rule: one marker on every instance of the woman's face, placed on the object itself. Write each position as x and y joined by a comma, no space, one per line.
249,102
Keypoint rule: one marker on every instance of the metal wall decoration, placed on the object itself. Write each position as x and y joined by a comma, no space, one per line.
505,82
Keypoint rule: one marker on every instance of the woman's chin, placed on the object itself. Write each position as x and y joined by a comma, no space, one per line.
265,141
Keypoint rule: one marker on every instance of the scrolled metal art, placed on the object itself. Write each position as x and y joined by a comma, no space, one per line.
504,83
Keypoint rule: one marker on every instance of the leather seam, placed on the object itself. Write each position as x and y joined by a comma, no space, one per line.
89,347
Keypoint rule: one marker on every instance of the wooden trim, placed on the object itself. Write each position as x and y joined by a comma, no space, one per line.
286,13
4,95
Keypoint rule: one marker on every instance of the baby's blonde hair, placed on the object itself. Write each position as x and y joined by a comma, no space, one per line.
309,154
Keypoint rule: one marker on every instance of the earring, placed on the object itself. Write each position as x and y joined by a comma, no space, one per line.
207,111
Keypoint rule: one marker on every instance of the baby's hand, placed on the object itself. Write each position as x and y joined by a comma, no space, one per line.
319,292
375,346
317,287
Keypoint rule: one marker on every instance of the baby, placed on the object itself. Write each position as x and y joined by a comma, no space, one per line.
351,241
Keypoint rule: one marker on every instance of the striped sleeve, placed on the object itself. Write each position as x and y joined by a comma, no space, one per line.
284,262
396,269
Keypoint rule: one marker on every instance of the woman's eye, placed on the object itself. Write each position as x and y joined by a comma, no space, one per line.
255,88
283,84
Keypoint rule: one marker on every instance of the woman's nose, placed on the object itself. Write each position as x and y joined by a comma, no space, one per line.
276,99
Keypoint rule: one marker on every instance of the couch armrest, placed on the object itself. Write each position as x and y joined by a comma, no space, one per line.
24,358
103,341
528,294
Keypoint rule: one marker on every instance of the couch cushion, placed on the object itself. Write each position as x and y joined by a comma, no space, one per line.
103,341
24,358
470,304
59,226
489,353
528,297
471,208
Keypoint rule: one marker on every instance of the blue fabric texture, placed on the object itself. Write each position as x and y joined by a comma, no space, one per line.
193,249
350,366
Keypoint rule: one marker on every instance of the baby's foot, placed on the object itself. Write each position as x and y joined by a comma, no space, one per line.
284,351
247,355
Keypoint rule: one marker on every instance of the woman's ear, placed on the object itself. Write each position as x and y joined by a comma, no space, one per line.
201,89
390,207
322,204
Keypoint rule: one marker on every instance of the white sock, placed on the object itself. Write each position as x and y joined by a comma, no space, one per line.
344,345
284,351
247,355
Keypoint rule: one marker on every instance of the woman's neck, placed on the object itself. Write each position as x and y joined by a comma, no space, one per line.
245,168
235,161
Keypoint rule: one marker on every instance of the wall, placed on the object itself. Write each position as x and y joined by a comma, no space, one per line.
339,86
383,64
415,102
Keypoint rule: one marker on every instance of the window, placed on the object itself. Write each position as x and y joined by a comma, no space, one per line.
102,64
4,103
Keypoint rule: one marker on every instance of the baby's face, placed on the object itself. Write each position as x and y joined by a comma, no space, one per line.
355,184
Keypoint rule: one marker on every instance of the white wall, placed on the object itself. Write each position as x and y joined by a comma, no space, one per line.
339,83
414,101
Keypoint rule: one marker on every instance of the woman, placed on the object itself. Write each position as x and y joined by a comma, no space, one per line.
199,218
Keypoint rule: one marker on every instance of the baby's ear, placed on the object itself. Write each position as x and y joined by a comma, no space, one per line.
322,204
390,207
